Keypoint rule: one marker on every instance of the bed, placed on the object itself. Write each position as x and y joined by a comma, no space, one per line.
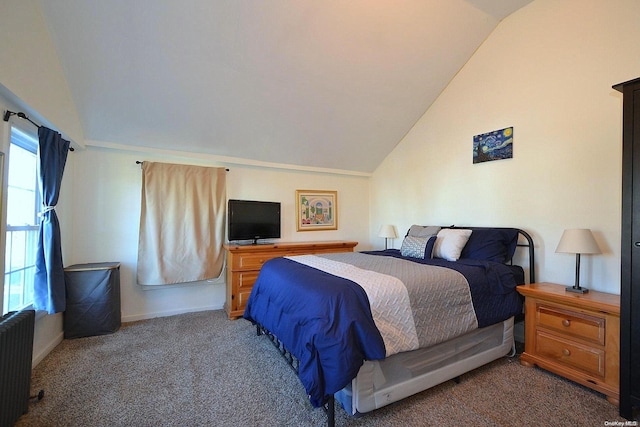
371,328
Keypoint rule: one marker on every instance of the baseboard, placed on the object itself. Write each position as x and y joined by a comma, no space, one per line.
144,316
37,358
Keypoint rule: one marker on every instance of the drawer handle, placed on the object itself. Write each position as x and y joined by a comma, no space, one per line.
566,352
566,322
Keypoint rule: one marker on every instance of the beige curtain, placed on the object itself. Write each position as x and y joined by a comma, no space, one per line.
181,223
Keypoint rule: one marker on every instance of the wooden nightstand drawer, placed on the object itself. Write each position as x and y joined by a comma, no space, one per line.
586,358
591,328
573,335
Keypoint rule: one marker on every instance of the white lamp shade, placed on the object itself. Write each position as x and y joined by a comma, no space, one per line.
578,241
388,231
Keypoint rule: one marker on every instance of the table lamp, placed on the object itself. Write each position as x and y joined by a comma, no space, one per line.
388,232
578,241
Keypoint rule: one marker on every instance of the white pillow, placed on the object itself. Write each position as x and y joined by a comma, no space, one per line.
450,242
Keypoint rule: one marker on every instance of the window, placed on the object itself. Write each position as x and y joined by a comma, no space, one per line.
23,200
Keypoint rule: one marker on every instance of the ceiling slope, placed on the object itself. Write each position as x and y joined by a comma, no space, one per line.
326,84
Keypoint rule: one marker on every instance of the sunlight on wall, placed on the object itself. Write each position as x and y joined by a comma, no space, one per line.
547,71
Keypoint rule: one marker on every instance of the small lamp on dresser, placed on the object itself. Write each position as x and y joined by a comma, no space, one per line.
578,241
388,232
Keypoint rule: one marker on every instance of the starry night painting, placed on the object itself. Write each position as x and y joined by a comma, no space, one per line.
496,145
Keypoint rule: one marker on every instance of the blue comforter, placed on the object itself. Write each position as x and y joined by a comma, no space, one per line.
325,321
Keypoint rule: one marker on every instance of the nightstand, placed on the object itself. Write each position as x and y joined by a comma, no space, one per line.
576,336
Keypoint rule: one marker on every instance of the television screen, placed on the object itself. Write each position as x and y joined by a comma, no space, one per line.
253,220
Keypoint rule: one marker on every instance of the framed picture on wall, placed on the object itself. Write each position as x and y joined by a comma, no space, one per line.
496,145
316,210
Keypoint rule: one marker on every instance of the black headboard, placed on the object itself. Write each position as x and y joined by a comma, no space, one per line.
528,245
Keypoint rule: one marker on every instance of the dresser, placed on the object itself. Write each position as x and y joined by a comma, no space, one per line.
573,335
245,261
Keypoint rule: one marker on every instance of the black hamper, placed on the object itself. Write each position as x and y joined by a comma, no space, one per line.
93,299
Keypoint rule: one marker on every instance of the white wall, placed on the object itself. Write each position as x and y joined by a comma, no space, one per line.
107,205
547,71
31,70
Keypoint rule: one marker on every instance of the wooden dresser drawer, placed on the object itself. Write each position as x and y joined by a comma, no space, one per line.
586,358
591,328
252,261
246,279
243,297
245,261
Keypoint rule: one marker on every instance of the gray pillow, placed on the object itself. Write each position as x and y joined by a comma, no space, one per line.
414,247
423,231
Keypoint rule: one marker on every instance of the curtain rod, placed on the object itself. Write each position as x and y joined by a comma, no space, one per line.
8,114
138,162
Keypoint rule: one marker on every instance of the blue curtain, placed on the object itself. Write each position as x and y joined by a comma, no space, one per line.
49,287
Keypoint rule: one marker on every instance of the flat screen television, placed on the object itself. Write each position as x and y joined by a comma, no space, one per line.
253,220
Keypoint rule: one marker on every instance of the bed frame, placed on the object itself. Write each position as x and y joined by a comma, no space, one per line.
435,369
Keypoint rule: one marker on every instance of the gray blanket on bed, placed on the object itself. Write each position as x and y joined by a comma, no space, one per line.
439,297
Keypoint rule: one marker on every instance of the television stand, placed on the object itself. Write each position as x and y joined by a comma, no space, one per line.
245,261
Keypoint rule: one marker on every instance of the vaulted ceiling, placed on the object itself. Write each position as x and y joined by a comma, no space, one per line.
328,84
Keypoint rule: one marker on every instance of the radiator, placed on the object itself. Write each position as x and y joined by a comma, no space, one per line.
16,351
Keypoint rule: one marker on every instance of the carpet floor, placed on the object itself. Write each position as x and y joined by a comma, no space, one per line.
201,369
